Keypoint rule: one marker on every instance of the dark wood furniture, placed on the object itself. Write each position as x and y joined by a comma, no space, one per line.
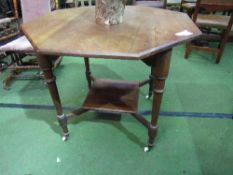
8,27
151,3
20,48
146,34
3,64
212,21
188,6
8,20
79,3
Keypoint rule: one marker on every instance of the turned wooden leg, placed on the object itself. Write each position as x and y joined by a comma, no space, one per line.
45,64
88,72
160,68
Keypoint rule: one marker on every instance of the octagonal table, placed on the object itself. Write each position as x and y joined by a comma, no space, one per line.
146,34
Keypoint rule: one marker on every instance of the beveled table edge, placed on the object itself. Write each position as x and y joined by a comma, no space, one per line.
117,55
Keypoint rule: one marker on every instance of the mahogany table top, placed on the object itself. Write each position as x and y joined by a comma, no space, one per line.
144,32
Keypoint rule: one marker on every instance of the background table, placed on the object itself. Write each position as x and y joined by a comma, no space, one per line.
146,34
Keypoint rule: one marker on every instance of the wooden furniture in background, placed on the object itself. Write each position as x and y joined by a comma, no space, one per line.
151,3
69,3
8,27
20,47
79,3
83,3
3,64
211,21
230,37
9,21
139,37
188,6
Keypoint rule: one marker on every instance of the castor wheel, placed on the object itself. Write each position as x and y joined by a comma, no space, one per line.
147,148
147,97
65,137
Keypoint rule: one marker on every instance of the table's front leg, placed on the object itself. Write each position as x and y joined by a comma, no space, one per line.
46,66
160,64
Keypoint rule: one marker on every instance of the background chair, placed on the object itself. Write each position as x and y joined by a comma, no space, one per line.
79,3
21,47
188,6
8,20
8,27
83,3
151,3
212,19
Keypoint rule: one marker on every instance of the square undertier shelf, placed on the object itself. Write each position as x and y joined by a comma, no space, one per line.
114,96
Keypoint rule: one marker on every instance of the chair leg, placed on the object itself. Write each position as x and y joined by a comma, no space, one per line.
17,68
190,12
18,59
181,7
221,46
218,57
187,50
6,82
88,72
13,59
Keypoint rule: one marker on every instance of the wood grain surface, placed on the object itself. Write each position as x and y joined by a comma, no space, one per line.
144,32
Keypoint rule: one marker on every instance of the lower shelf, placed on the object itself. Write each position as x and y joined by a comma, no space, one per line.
113,96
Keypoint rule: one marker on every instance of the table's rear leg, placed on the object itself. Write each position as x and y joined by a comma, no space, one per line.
150,86
89,77
46,66
160,67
